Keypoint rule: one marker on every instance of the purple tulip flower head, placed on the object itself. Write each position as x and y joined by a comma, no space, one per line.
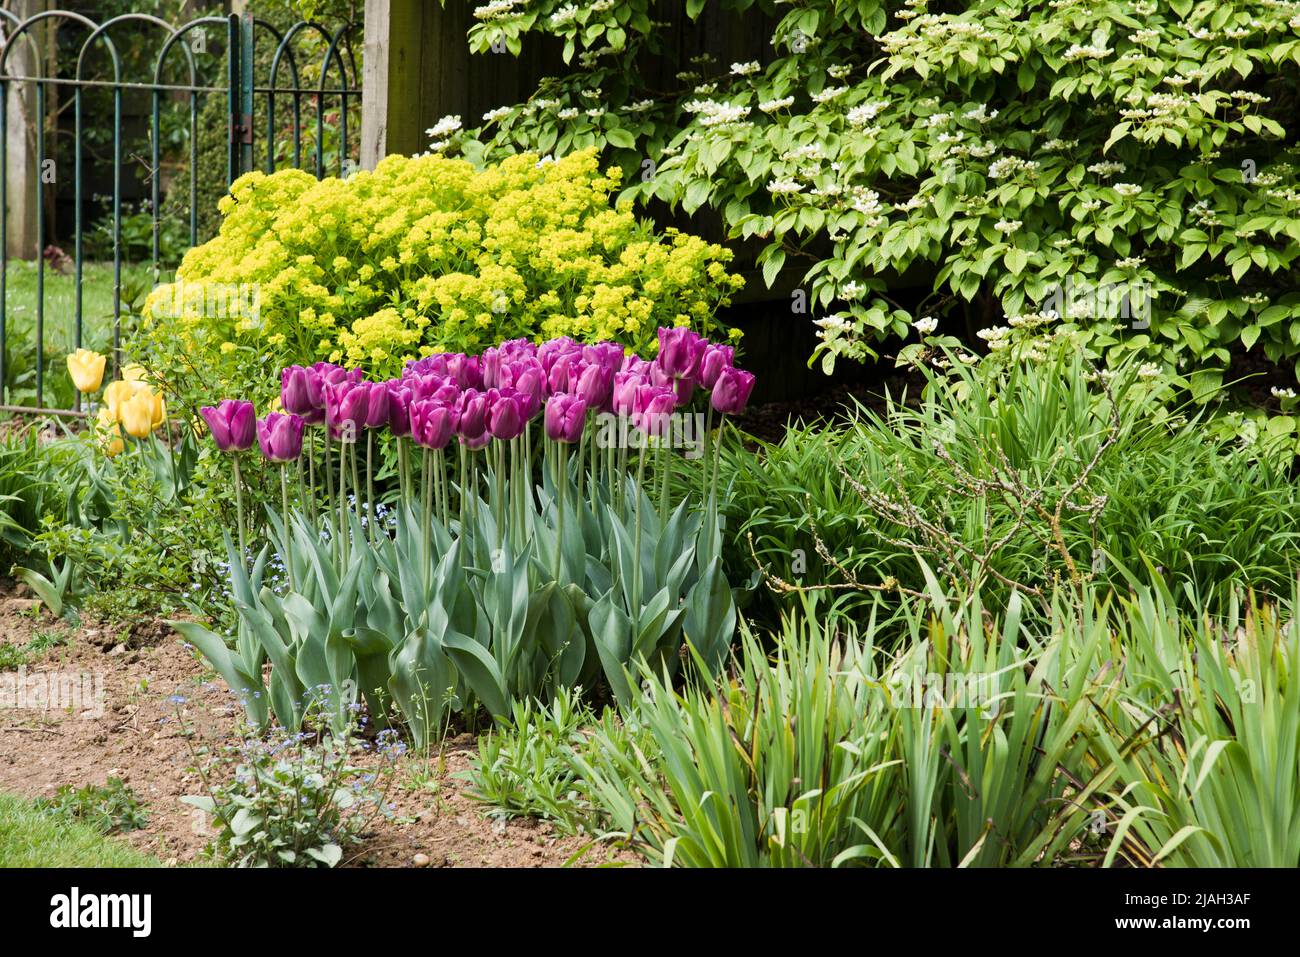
565,417
505,420
346,407
436,364
731,391
715,359
467,371
625,388
280,436
233,424
300,393
607,355
563,371
431,423
471,416
400,397
529,381
634,363
680,351
376,404
595,384
548,352
652,409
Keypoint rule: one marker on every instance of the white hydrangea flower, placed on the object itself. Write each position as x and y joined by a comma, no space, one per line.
444,127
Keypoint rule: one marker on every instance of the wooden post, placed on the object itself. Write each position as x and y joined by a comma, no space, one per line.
20,142
393,67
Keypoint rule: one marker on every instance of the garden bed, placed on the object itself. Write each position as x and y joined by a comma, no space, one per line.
139,739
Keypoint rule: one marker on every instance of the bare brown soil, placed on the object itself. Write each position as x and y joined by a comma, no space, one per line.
135,733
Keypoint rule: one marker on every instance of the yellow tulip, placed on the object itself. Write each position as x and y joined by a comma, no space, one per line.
114,445
134,373
87,369
137,414
118,392
158,410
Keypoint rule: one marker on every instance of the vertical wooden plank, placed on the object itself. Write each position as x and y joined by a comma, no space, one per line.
20,145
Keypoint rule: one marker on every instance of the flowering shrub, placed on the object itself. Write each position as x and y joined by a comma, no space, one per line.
996,152
520,570
426,254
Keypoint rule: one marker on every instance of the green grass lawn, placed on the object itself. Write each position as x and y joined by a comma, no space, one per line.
60,322
29,838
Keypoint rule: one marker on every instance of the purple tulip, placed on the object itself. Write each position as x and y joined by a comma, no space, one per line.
680,351
233,424
715,359
652,408
331,373
492,359
514,349
548,352
595,384
474,444
376,404
529,381
300,393
346,407
467,371
565,417
607,355
470,413
436,364
731,391
634,363
400,397
625,388
433,386
563,372
505,421
683,390
280,436
431,423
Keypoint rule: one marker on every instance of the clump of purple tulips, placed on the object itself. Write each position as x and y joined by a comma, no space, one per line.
489,403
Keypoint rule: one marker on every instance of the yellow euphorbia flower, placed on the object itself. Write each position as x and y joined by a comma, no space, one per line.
137,414
87,369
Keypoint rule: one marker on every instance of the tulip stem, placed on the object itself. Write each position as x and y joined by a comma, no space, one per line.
343,530
663,462
427,525
635,610
463,503
284,518
708,434
239,510
309,503
717,457
356,478
370,483
403,480
559,493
